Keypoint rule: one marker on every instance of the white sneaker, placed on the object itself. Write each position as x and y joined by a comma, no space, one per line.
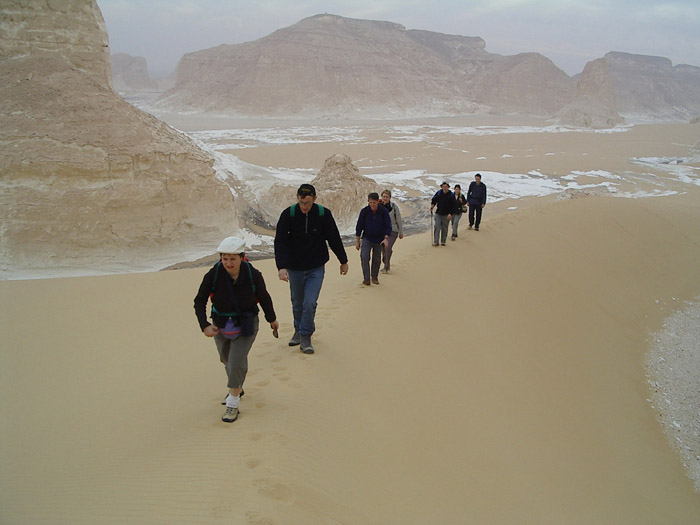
230,416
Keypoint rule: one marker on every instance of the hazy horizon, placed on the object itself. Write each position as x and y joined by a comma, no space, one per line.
569,32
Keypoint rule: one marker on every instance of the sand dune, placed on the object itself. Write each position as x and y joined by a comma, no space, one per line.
497,380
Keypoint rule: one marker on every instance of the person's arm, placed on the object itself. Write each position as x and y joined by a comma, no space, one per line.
282,245
264,296
201,299
484,201
399,221
332,235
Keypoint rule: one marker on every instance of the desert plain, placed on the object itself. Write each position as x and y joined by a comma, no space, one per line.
503,378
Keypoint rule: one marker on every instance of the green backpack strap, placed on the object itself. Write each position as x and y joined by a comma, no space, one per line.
293,209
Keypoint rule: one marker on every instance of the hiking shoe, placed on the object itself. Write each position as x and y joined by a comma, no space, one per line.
471,226
477,228
435,244
306,345
366,282
444,244
385,270
375,280
453,238
295,341
226,397
230,416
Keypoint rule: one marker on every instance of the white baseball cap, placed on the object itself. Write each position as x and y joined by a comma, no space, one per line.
231,245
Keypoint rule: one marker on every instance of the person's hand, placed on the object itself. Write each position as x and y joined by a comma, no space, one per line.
449,216
401,236
283,275
344,269
483,205
210,331
275,326
357,243
384,243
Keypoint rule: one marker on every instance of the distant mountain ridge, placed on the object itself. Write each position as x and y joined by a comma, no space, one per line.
331,66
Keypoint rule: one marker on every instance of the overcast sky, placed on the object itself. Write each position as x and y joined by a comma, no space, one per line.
569,32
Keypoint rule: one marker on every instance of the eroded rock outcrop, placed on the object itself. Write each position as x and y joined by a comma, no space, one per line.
651,87
130,73
331,66
88,182
595,105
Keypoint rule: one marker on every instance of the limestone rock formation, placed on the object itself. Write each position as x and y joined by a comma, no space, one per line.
651,87
595,104
332,66
341,187
130,73
88,181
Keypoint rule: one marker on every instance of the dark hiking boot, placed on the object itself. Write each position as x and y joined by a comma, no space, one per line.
306,345
295,340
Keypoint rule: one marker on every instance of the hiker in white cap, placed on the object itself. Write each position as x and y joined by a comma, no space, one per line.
235,288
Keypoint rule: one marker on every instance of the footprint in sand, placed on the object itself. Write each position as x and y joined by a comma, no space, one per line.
255,436
256,519
276,490
253,463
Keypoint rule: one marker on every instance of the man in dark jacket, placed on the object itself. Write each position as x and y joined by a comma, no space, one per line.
476,199
446,207
301,253
372,235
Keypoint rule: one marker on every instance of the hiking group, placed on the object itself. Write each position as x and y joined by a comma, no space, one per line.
303,235
449,207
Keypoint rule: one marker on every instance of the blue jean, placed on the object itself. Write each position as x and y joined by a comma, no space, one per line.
305,287
375,249
455,223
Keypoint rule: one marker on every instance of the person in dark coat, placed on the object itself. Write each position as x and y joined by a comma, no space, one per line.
446,205
476,199
304,232
371,237
235,288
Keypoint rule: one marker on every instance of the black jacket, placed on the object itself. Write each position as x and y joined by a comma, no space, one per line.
476,193
446,203
223,288
300,241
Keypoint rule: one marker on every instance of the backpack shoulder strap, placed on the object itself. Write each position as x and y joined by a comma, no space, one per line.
293,210
250,275
216,275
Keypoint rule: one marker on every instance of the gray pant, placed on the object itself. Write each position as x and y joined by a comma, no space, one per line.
375,249
440,232
234,355
389,249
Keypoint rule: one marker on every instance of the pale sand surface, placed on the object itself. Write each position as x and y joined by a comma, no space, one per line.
500,379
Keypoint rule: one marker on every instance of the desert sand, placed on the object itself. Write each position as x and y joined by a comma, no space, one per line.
500,379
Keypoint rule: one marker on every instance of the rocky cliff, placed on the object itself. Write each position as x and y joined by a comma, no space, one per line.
328,65
651,87
130,73
87,181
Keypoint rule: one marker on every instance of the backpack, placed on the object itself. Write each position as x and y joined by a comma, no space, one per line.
213,286
293,208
